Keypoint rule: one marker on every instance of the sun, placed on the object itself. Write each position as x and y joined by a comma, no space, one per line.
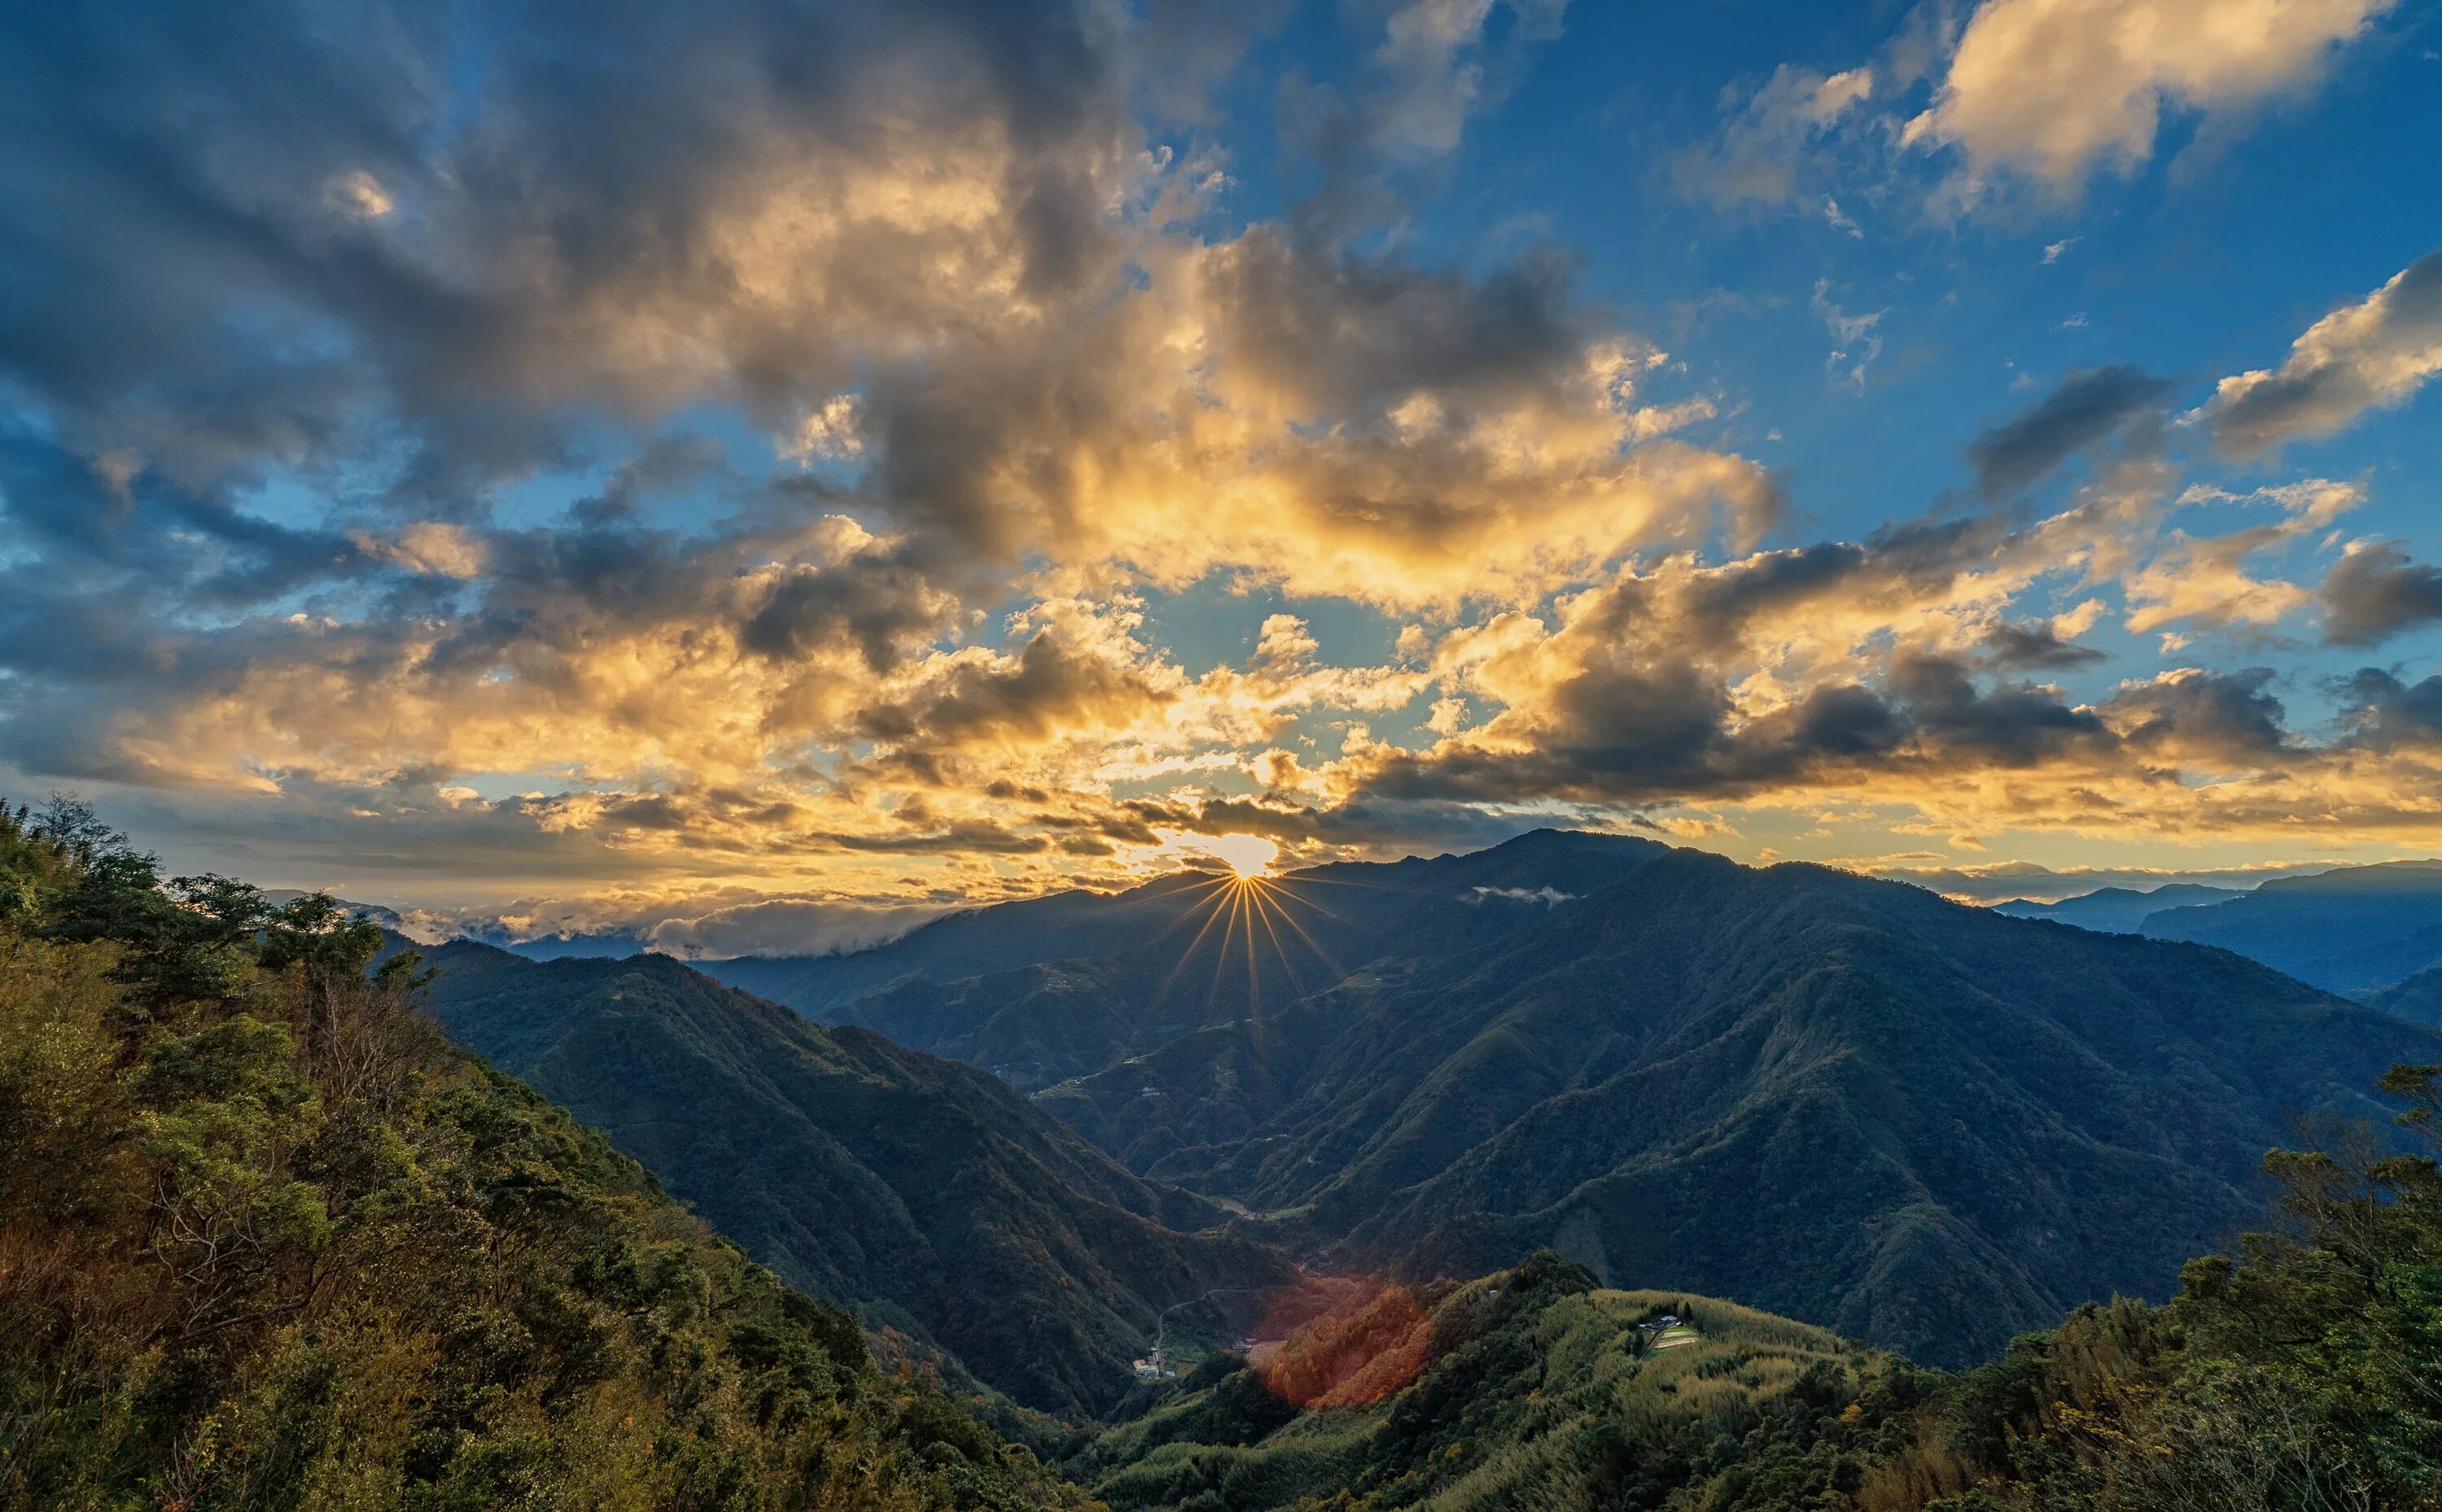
1249,856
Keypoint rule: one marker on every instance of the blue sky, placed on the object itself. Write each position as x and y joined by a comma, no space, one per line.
803,464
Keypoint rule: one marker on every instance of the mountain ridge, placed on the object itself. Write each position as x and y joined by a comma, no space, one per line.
2119,910
1865,1059
920,1191
2350,930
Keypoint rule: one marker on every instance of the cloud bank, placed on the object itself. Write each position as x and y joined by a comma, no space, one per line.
736,469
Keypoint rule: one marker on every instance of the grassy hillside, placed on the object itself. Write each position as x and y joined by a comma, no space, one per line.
1531,1388
267,1241
922,1192
2296,1378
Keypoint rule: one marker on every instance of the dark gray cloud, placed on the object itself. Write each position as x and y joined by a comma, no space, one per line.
2033,648
1350,334
2375,592
1654,735
2228,717
2086,409
2379,712
421,245
2376,351
1050,684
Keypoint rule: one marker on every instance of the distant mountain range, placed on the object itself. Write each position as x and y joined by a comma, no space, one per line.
1924,1124
2118,910
922,1192
2354,930
1312,922
2418,999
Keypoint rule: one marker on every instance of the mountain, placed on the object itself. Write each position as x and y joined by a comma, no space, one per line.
1173,966
387,917
1928,1126
2348,931
922,1192
1197,953
2118,910
274,1244
2417,999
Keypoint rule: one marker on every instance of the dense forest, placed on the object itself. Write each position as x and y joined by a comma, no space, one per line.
949,1212
266,1241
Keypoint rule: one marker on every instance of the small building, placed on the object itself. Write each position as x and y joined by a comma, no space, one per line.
1153,1367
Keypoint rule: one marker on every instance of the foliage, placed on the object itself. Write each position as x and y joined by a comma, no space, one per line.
2303,1375
1537,1390
921,1193
1927,1126
267,1241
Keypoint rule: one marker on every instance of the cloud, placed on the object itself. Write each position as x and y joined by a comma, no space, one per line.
2215,720
721,926
1548,896
2206,583
789,926
2085,409
386,500
430,548
2380,712
1768,139
1438,63
2372,355
1891,672
2375,592
1857,337
935,254
2035,648
2062,89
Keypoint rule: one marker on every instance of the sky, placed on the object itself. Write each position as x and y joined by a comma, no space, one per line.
755,474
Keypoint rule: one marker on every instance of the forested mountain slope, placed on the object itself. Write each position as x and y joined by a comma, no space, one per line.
2417,999
266,1241
2352,930
1925,1125
923,1192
